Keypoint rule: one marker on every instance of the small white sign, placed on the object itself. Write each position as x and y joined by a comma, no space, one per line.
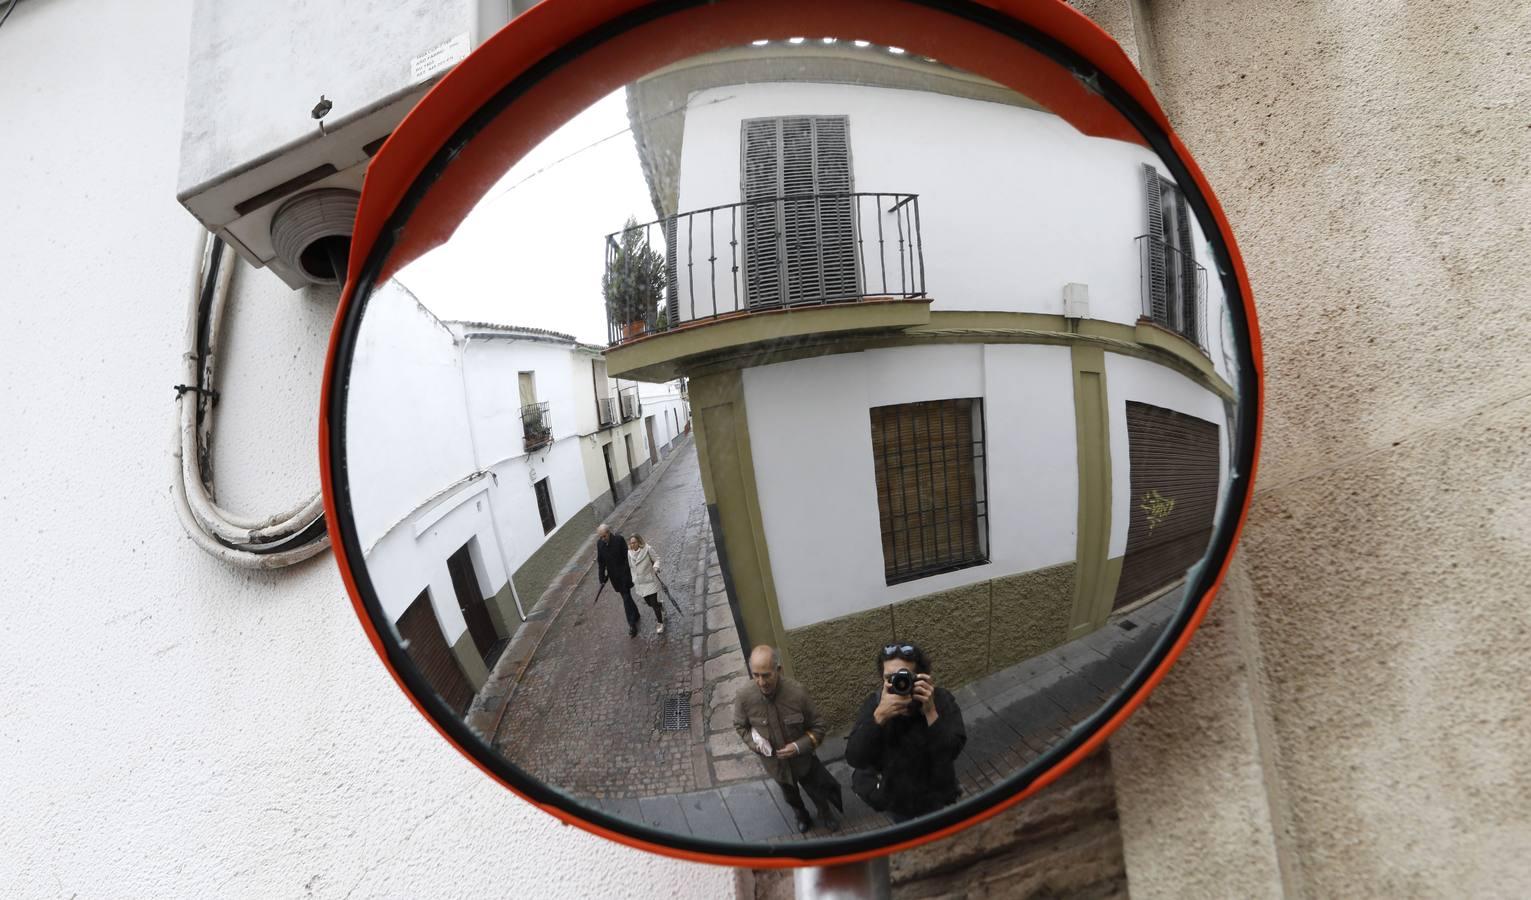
438,59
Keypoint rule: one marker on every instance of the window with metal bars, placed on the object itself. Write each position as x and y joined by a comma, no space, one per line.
799,220
545,506
932,500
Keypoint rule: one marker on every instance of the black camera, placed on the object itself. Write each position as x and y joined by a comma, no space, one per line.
901,682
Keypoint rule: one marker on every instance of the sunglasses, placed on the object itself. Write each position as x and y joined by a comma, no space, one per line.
901,651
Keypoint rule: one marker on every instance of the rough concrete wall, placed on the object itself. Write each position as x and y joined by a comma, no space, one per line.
174,727
1375,170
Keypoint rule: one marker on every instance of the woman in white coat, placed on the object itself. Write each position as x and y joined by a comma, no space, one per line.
644,563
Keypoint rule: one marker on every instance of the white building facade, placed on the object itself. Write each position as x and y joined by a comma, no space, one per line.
480,458
906,270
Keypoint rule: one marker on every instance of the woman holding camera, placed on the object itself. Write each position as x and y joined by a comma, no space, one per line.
906,739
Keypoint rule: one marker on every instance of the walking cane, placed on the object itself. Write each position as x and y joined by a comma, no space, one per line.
669,596
598,593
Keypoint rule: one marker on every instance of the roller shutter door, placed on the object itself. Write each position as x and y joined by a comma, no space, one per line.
1174,498
427,648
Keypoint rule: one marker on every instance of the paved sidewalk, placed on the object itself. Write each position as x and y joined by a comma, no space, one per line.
1011,717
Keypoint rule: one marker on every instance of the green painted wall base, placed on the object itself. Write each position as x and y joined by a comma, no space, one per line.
969,632
502,611
470,662
836,661
542,567
1030,614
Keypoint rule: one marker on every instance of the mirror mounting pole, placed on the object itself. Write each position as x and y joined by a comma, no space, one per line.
865,880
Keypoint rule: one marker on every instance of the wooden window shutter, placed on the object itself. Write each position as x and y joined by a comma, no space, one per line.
836,215
762,220
672,278
800,246
1185,267
1156,251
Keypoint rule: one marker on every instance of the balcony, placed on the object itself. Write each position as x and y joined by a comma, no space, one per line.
632,407
795,253
536,426
1174,289
606,411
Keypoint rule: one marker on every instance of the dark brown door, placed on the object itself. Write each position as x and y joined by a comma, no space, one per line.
1174,498
648,425
470,599
611,475
428,650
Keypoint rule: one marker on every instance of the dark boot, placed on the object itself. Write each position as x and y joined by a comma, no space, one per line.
831,821
804,821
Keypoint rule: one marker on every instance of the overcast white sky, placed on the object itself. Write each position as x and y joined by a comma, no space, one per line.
531,253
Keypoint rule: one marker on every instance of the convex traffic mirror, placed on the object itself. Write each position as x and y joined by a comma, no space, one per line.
778,433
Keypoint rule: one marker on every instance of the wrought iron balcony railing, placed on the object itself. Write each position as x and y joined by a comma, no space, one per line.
606,411
632,407
536,426
1174,287
763,254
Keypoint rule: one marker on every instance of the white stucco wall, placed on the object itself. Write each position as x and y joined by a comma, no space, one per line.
413,556
174,727
1014,203
817,487
663,402
1131,379
407,425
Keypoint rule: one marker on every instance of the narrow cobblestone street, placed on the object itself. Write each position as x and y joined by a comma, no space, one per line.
588,713
587,704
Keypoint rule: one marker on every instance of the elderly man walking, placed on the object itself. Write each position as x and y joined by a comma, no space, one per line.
611,565
775,717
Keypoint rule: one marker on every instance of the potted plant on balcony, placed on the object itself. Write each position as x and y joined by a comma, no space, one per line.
634,281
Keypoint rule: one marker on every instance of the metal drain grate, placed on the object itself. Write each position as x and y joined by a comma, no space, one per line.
1126,625
675,713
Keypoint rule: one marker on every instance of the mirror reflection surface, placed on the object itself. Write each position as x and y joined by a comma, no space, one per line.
803,438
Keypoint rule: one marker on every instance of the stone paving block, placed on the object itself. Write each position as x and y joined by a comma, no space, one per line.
724,692
624,808
663,813
721,667
725,744
718,601
736,769
719,618
719,641
722,719
715,584
754,812
714,572
700,770
708,816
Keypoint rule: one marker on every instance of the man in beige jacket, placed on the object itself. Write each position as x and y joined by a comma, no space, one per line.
775,717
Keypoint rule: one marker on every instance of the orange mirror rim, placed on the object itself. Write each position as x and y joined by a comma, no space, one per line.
563,54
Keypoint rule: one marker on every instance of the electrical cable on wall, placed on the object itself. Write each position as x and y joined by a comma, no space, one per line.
252,543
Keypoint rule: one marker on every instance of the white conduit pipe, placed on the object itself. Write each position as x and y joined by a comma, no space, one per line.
217,531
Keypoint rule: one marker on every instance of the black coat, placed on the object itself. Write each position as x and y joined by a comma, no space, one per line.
916,760
611,562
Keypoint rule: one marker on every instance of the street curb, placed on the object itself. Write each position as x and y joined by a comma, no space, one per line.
486,714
